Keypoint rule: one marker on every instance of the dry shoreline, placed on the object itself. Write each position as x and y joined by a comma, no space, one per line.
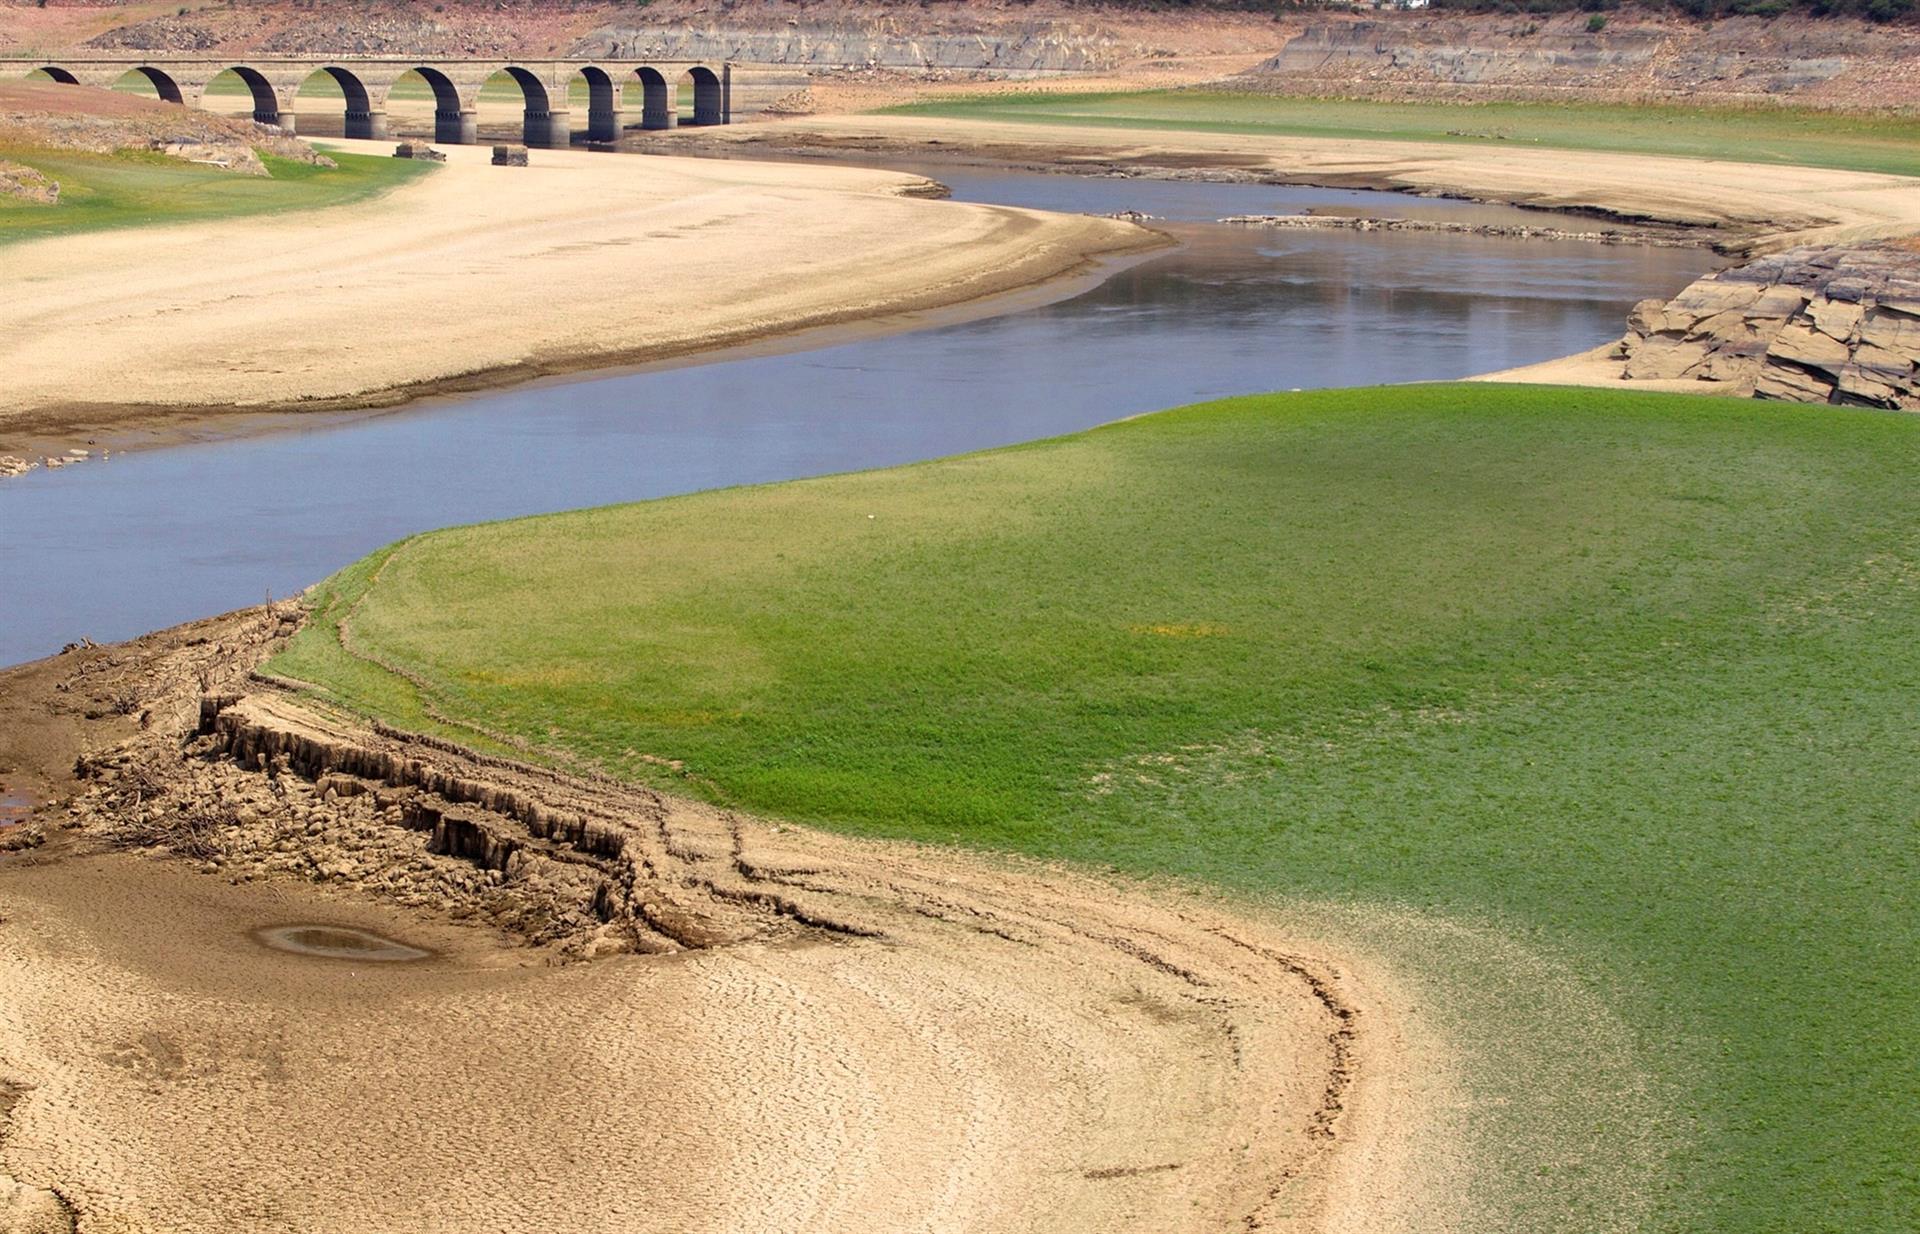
479,277
119,428
1737,209
646,1014
1742,207
1731,206
914,1038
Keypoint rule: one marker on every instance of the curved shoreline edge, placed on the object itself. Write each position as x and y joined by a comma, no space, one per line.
125,426
1319,1090
793,251
1737,206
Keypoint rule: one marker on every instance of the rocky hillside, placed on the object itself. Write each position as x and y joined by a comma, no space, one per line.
1839,62
1808,325
1628,52
990,35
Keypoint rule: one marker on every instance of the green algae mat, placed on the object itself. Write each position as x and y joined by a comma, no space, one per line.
1632,676
1787,136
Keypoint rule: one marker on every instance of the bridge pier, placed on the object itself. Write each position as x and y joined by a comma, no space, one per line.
368,124
605,124
456,128
551,130
709,98
662,108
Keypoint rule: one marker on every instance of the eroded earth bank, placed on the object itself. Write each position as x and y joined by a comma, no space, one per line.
638,1012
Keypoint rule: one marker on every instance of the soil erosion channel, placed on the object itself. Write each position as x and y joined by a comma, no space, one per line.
110,550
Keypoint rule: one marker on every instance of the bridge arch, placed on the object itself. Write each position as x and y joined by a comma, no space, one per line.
658,108
454,121
163,84
709,103
542,124
55,73
266,101
361,118
603,103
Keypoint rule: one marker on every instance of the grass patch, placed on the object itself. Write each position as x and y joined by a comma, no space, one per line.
134,188
1780,135
1633,673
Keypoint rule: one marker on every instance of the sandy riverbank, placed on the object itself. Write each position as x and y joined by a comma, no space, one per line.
792,1031
482,276
1746,205
1740,207
1602,367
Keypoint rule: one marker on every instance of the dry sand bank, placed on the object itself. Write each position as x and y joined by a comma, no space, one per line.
1009,1056
1602,367
481,275
1753,207
830,1034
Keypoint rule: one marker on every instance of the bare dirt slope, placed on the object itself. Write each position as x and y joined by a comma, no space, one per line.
785,1030
477,274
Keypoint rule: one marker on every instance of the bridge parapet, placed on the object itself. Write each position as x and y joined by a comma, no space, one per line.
366,82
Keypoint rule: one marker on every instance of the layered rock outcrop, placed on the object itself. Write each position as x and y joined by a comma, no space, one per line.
1029,47
1839,61
1811,325
977,36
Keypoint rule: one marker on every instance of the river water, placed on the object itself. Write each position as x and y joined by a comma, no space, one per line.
108,550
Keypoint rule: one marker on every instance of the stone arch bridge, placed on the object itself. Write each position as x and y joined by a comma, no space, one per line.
365,83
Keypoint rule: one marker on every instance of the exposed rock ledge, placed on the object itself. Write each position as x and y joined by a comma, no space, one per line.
1655,237
28,185
1810,325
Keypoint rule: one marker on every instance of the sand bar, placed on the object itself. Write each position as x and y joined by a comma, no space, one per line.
1762,207
482,275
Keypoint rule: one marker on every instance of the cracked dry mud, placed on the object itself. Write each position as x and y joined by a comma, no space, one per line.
641,1013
